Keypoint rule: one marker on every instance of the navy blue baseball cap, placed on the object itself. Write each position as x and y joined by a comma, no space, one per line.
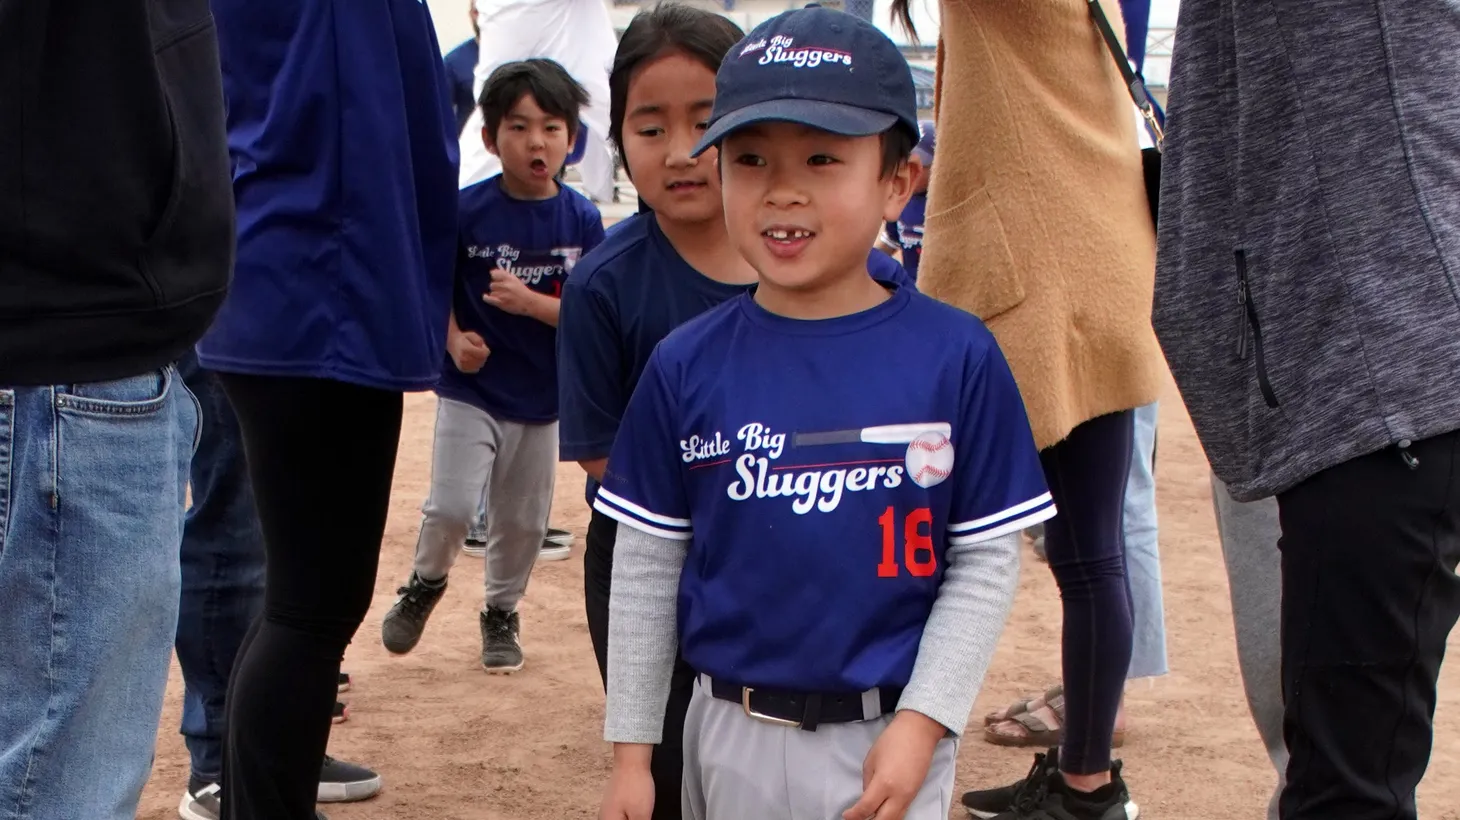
817,67
927,141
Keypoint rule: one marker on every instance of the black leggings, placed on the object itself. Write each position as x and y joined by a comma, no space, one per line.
1085,545
321,455
667,765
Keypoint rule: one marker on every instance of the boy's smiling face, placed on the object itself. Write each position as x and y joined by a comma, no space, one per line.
805,206
532,145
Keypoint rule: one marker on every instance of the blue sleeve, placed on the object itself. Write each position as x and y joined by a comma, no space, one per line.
998,481
593,231
591,367
643,485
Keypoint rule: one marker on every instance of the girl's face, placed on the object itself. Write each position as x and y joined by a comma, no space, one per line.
667,111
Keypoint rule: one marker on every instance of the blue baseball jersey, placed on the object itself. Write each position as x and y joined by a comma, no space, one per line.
344,157
907,233
539,242
620,301
820,470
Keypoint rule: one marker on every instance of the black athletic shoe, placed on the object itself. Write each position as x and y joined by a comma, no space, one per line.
1043,795
201,801
341,782
501,650
344,682
406,620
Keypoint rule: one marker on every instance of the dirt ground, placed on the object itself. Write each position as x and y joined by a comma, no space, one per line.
454,743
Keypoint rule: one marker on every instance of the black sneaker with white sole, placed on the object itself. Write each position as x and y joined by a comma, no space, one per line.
339,782
1043,795
558,546
342,782
501,647
201,801
406,620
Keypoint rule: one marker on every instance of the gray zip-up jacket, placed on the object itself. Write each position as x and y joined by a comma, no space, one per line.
1308,263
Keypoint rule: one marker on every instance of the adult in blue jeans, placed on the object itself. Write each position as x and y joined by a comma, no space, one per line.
222,594
112,264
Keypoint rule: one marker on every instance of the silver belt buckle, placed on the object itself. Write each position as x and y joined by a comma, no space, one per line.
749,712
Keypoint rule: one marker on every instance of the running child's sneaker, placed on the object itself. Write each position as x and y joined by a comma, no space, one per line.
406,620
1043,795
501,649
344,682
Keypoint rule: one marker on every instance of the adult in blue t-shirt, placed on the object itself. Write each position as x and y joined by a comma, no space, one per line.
344,169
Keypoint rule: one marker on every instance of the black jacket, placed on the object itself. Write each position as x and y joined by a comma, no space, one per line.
116,207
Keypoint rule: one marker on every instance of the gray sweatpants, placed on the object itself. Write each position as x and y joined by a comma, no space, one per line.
517,466
1249,534
737,767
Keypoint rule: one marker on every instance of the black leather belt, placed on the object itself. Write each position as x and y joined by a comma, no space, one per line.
802,710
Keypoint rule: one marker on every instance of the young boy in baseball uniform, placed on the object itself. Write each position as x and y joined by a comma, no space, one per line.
827,531
520,233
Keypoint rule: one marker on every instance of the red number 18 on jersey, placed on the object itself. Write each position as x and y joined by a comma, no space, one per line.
917,544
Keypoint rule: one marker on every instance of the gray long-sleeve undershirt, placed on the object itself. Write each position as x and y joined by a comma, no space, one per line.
953,654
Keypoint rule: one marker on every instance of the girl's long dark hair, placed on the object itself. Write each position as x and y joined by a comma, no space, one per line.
902,15
703,35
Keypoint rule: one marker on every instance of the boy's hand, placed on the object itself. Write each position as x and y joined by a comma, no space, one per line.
510,294
630,793
896,767
467,350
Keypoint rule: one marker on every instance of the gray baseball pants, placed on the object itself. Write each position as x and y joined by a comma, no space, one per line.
517,465
737,767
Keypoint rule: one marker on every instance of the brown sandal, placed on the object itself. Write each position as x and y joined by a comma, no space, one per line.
1020,707
1042,727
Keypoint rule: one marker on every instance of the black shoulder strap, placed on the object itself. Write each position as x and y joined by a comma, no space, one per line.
1133,81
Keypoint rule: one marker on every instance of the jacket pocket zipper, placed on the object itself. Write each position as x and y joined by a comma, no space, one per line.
1249,323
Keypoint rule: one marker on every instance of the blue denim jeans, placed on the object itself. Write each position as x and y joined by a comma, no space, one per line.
1142,553
222,571
93,480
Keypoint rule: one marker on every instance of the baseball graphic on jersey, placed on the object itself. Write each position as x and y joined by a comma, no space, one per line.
929,459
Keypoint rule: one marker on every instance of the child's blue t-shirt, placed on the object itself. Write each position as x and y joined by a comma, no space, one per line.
907,233
539,242
619,302
344,158
819,471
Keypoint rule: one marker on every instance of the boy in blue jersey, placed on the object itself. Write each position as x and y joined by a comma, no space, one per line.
904,235
496,421
828,533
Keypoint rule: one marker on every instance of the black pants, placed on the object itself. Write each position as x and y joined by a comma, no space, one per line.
1085,545
321,455
1369,598
668,763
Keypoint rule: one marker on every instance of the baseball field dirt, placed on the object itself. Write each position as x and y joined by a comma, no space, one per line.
453,743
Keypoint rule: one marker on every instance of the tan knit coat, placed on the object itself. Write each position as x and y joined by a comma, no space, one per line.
1037,220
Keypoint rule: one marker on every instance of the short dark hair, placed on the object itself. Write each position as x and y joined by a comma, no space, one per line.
897,145
554,89
702,35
